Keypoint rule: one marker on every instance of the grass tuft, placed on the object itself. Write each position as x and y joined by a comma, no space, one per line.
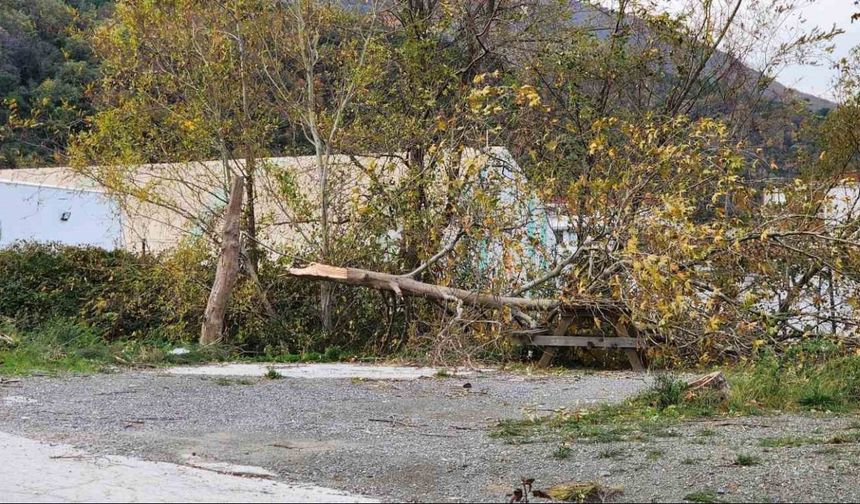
272,374
701,496
746,460
563,452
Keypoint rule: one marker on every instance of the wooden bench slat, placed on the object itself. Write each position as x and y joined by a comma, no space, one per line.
531,332
585,341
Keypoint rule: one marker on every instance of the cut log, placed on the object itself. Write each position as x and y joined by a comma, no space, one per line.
227,270
404,285
715,381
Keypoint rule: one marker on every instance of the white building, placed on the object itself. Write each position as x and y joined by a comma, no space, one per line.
73,216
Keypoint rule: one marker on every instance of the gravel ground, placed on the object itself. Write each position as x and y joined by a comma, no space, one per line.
427,439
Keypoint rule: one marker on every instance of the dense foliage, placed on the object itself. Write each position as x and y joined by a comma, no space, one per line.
46,69
121,296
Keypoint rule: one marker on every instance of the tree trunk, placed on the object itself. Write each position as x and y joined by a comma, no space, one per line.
250,210
326,305
227,270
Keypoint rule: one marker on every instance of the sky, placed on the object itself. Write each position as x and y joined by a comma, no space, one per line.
818,80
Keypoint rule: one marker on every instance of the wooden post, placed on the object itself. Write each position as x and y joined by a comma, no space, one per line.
549,352
227,270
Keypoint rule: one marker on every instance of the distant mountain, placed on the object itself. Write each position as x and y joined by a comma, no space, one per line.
602,23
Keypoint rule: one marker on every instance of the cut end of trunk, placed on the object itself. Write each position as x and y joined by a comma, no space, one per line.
316,270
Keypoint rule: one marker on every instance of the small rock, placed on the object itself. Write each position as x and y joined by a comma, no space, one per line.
467,385
722,491
604,474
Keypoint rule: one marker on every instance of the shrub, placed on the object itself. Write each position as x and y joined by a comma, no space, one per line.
666,391
118,295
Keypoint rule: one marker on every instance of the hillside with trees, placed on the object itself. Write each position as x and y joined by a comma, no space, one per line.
46,70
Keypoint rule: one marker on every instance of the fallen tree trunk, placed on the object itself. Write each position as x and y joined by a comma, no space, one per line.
405,285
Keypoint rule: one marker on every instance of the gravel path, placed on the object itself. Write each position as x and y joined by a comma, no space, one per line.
425,439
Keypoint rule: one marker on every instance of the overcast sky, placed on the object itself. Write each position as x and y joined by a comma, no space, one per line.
825,13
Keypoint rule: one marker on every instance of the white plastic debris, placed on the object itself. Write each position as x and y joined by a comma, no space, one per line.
16,399
180,351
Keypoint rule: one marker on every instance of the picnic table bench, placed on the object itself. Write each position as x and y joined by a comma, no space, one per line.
592,327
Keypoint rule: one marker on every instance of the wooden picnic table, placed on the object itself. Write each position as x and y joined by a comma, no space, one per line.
555,334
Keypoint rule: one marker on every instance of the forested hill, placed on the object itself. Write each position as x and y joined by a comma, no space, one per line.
47,69
602,21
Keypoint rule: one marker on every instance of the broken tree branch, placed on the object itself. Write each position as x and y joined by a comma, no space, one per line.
403,285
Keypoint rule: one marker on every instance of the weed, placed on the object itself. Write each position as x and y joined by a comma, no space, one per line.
611,454
845,438
655,455
562,452
690,461
511,431
701,496
333,354
443,373
828,383
55,347
667,391
272,374
746,460
233,381
582,492
787,441
769,385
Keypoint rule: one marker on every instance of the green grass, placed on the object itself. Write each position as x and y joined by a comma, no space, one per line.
701,496
61,346
819,380
746,460
849,436
809,383
563,452
655,455
272,374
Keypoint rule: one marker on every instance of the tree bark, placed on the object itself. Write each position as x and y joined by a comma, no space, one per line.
404,285
227,270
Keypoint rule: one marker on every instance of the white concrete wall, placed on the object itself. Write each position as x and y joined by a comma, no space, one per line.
34,213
